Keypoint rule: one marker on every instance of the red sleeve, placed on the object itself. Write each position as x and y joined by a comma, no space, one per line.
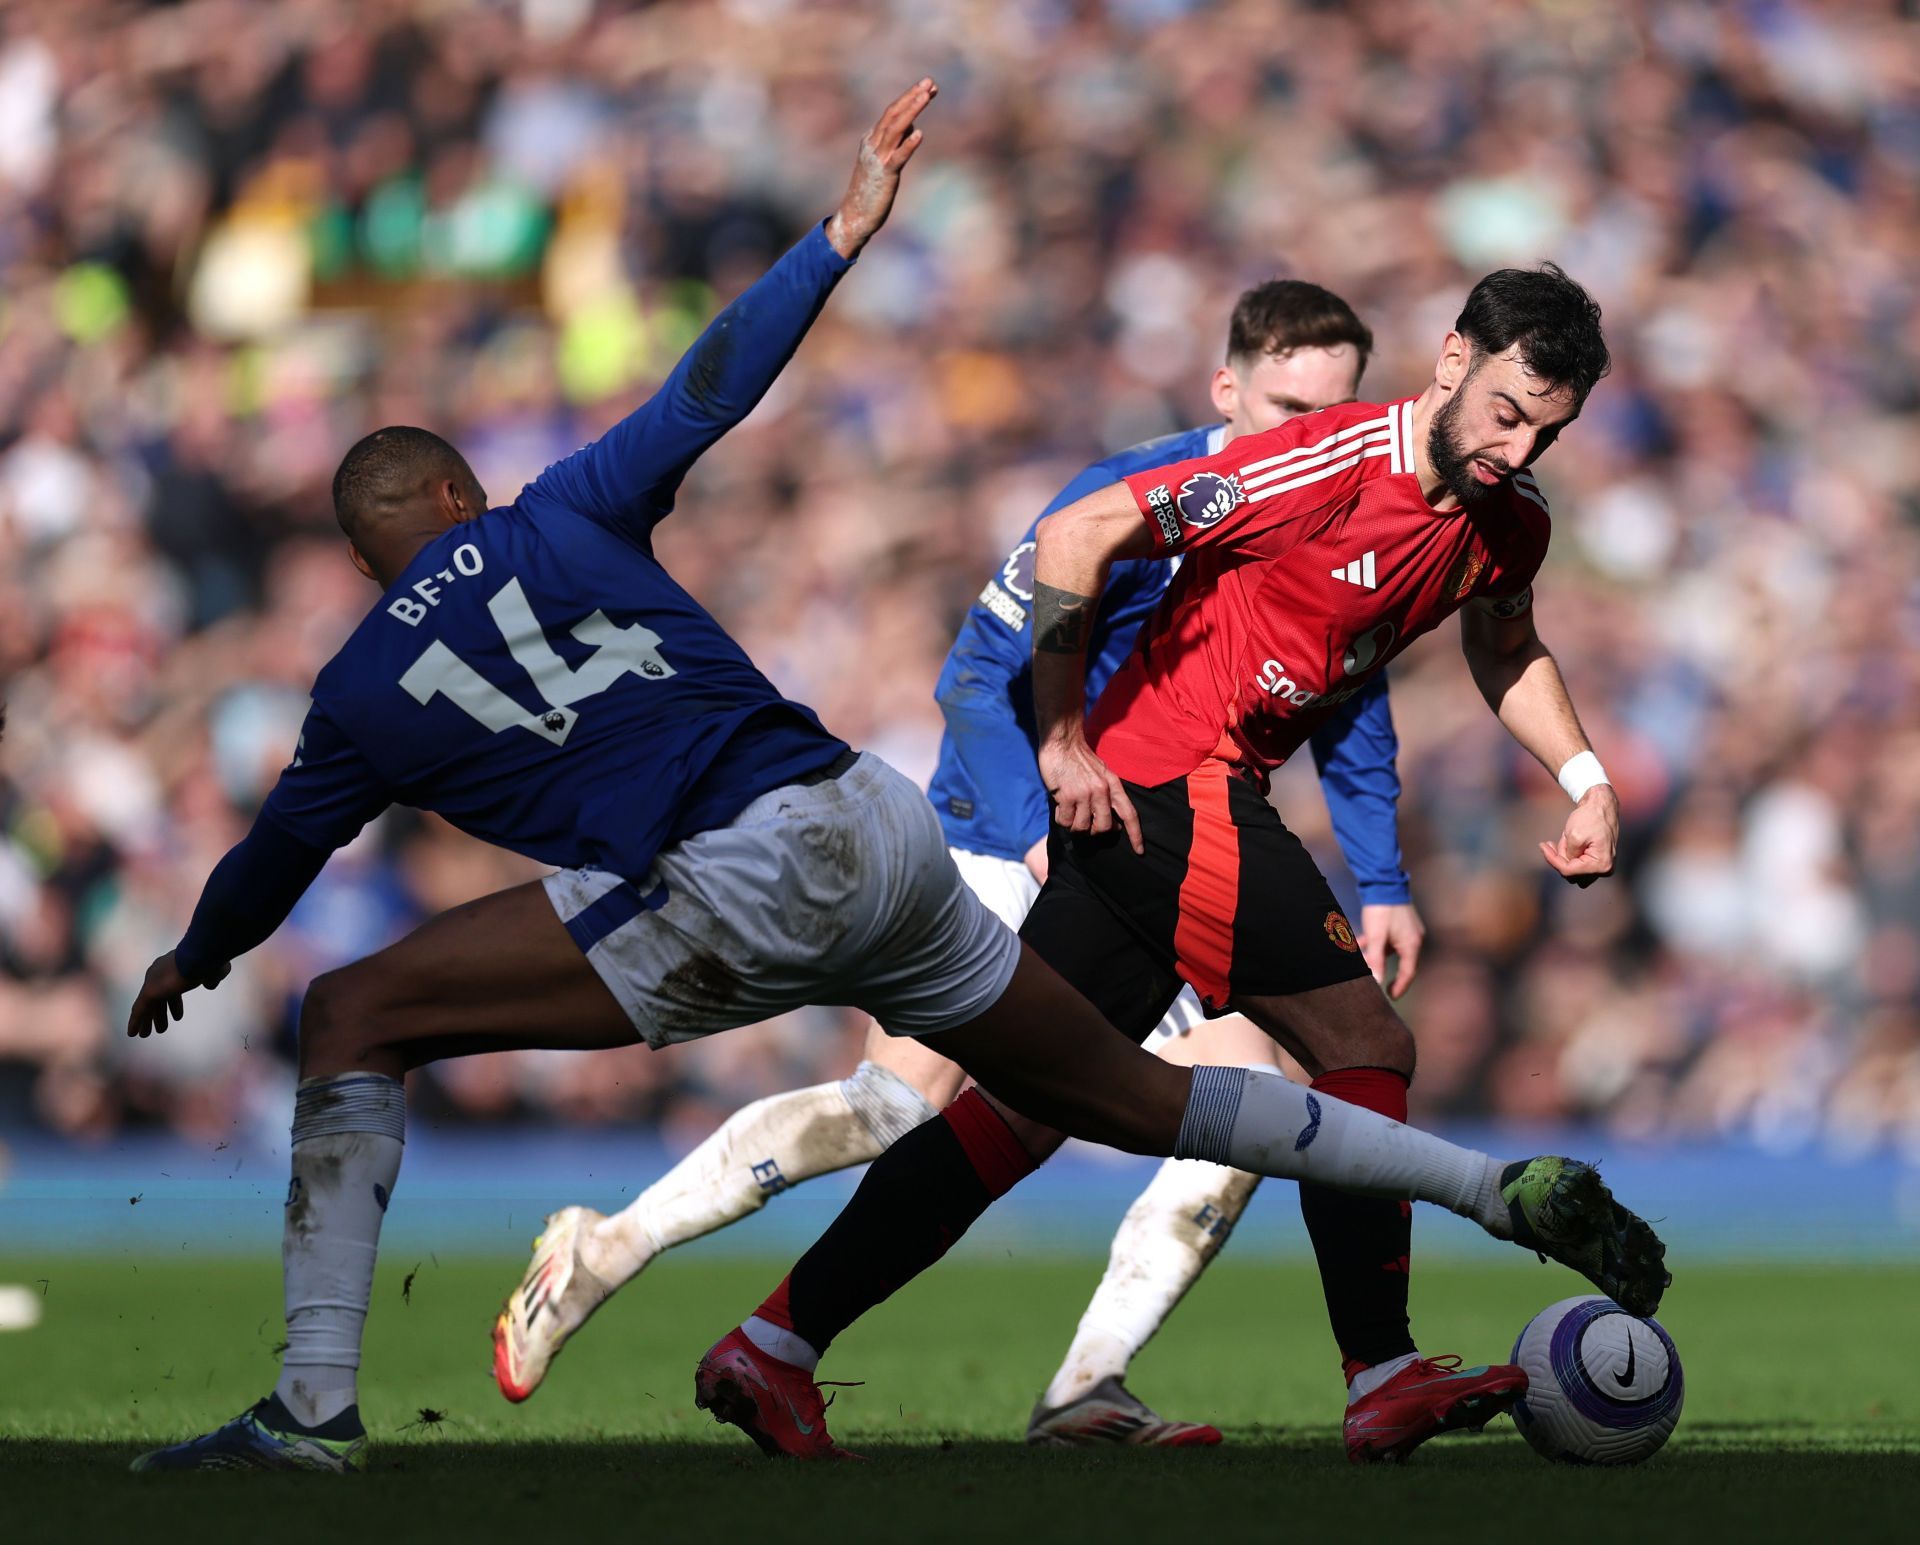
1256,486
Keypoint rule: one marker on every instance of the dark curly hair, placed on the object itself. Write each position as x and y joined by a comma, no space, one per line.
1554,322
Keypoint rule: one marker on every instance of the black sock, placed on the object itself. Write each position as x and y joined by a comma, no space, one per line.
917,1199
1362,1243
341,1425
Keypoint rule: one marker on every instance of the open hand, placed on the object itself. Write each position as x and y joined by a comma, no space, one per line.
887,148
161,995
1392,929
1590,840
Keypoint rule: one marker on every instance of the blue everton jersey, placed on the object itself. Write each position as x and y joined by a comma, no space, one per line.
987,786
537,678
535,675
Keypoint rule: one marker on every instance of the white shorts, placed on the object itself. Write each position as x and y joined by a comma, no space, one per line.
840,892
1009,889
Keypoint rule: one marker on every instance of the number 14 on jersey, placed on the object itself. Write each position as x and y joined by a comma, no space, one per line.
617,651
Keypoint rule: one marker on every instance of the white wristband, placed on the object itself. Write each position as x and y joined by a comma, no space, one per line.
1581,773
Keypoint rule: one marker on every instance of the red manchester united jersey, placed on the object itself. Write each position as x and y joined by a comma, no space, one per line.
1312,560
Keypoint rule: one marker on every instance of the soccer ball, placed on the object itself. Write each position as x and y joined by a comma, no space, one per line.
1603,1388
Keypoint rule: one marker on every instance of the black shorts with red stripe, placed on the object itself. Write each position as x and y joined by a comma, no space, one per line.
1225,898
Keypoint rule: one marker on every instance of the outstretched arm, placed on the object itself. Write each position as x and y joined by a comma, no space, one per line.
628,477
1516,674
247,897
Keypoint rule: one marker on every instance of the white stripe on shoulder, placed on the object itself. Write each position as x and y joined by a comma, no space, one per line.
1379,436
1319,473
1405,420
1301,452
1527,488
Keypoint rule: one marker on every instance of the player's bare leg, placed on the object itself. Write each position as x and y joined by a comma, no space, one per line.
496,974
1048,1052
1169,1236
582,1257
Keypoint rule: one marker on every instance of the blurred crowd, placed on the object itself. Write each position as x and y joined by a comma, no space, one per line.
235,236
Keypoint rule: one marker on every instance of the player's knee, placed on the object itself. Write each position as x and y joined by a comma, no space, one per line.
1391,1045
334,1022
1382,1041
322,1022
1404,1052
1366,1033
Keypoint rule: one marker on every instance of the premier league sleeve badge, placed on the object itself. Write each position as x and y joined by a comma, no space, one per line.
1207,498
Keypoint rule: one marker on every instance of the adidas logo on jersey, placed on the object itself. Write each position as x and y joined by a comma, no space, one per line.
1359,572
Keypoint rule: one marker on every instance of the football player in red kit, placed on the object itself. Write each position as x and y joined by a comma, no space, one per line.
1312,555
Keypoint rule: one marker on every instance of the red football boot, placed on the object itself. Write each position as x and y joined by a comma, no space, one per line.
774,1403
1429,1396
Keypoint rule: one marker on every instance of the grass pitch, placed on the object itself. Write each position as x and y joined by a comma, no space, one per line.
1801,1416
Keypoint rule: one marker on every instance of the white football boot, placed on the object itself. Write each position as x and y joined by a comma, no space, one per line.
554,1299
1108,1414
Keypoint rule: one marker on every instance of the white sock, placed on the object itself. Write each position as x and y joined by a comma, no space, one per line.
1260,1121
348,1132
1367,1380
778,1341
1169,1235
760,1151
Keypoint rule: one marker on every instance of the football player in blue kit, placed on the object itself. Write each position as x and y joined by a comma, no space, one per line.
532,674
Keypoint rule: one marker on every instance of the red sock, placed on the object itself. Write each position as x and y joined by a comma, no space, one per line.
989,1143
1375,1089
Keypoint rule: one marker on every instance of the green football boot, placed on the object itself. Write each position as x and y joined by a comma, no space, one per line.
1561,1208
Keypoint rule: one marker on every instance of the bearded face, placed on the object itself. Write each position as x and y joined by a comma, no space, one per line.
1453,458
1499,419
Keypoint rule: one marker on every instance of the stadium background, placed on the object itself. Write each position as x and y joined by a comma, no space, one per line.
233,237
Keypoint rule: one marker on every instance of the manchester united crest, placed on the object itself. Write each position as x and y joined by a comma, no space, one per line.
1341,932
1470,569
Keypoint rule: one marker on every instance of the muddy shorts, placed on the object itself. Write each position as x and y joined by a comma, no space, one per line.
838,891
